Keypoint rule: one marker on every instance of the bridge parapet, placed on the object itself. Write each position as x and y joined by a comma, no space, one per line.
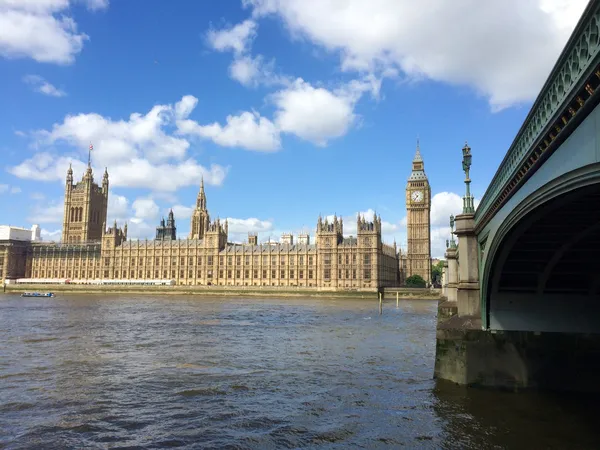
569,88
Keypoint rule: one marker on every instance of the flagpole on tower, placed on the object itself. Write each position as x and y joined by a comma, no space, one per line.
90,155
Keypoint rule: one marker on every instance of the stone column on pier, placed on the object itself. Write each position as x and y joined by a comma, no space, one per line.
468,270
452,274
445,279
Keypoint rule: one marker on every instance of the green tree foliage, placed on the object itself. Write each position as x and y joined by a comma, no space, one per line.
415,281
436,272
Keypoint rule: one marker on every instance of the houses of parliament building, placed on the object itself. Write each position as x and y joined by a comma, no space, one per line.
92,252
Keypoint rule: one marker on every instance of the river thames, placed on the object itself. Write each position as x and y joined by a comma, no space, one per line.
188,372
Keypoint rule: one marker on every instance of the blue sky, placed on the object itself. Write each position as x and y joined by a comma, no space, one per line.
289,109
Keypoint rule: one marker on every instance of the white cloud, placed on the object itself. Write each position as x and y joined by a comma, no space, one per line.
47,213
6,188
139,152
48,235
444,204
314,114
145,208
40,29
246,130
236,38
245,69
118,208
39,84
182,212
504,50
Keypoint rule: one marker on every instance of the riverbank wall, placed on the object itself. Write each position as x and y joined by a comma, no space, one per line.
216,291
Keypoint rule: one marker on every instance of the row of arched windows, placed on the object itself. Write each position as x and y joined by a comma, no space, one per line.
77,215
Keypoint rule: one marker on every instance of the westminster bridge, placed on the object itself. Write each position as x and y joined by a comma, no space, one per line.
522,282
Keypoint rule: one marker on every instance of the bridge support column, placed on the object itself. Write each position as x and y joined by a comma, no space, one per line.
468,269
452,274
445,279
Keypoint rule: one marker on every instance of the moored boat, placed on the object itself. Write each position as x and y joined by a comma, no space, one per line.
37,294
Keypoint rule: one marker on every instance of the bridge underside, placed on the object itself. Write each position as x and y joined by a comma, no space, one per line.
546,275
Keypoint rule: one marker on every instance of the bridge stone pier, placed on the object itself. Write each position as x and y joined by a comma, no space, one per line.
522,284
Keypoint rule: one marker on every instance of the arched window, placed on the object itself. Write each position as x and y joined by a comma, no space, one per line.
72,214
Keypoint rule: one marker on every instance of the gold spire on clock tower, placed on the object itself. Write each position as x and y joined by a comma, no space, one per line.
418,215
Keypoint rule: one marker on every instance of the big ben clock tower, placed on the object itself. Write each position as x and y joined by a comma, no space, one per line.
418,212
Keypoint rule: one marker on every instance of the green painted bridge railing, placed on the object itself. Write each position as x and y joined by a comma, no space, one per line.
550,112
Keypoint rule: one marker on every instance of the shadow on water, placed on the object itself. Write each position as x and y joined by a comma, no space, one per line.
486,418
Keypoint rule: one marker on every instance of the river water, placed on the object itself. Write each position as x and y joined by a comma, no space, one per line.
189,372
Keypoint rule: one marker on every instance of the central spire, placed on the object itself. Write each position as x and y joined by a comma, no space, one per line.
418,157
201,200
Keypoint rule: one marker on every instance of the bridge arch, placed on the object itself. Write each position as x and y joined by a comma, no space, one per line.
540,271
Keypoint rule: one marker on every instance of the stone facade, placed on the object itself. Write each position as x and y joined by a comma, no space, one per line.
418,215
361,262
86,204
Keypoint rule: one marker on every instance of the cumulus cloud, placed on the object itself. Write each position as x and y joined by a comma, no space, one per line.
39,84
503,50
236,38
42,30
139,152
314,114
145,208
248,130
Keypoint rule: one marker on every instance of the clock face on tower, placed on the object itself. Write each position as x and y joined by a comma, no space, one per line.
417,196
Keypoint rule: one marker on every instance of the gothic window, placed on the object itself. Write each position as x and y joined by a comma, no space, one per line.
174,263
199,260
347,259
246,274
301,274
340,273
273,260
172,274
165,274
238,260
340,258
367,258
310,260
301,259
347,274
255,259
191,274
133,261
264,274
292,260
229,274
283,274
181,274
255,274
327,259
283,260
221,260
264,259
221,273
229,259
327,274
367,274
209,274
291,274
191,261
132,274
273,274
209,261
354,274
182,261
156,274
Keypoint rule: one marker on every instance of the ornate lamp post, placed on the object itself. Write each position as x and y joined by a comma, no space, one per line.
452,241
468,204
